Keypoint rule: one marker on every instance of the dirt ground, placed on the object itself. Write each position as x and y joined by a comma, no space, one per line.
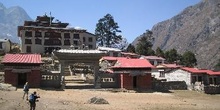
76,99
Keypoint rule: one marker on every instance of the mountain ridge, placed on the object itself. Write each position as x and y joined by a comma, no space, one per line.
196,28
10,19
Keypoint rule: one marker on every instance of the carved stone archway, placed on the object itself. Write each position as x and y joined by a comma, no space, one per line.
89,57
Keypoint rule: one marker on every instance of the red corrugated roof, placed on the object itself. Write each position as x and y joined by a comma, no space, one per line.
22,58
132,63
210,72
199,71
193,70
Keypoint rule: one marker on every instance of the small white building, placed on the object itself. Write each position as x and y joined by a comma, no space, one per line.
161,70
193,77
154,60
5,45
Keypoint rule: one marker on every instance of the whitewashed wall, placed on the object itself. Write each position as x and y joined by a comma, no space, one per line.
179,75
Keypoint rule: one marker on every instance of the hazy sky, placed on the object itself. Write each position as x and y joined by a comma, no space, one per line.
132,16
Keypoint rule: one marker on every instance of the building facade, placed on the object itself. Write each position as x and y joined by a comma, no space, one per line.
5,46
126,73
154,60
21,68
44,36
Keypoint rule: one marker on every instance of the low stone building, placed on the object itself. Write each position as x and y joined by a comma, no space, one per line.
195,79
21,68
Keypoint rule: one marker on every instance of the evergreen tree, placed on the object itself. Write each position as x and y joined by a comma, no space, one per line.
159,52
122,45
144,46
107,31
172,56
188,59
217,66
130,48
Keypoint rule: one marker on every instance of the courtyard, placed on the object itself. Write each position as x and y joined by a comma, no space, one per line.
77,99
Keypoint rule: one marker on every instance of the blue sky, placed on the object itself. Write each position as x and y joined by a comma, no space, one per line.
132,16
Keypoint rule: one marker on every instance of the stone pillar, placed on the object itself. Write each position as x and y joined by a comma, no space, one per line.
97,82
62,77
43,39
62,39
33,42
71,38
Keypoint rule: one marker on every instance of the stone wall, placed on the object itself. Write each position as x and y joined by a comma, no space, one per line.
178,75
109,80
50,80
171,85
2,77
212,89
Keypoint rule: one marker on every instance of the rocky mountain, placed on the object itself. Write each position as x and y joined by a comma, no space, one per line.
10,18
196,28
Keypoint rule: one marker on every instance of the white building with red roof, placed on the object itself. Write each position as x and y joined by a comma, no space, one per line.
191,76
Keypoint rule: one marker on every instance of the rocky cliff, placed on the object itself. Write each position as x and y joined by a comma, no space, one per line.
10,18
196,28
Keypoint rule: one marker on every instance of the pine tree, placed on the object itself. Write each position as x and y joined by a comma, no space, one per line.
107,31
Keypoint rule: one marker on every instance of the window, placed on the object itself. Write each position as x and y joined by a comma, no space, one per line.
52,42
108,80
115,54
56,35
76,36
162,74
210,81
56,42
66,42
84,39
1,45
152,62
67,35
28,34
75,42
38,34
199,79
159,62
38,41
213,80
28,49
90,39
47,34
194,79
90,47
27,41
